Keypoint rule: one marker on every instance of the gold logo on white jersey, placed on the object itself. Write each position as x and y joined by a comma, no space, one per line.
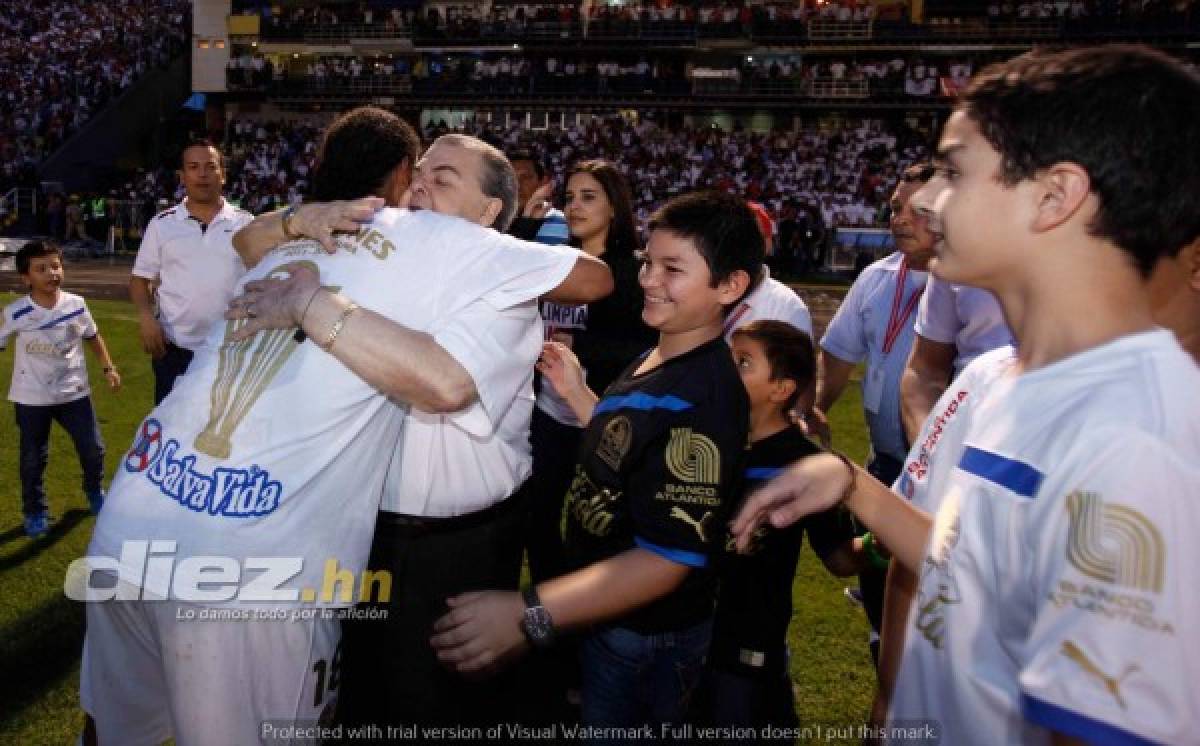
700,525
244,370
692,457
1114,543
1111,683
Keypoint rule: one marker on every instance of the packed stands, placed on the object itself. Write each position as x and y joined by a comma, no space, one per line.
63,60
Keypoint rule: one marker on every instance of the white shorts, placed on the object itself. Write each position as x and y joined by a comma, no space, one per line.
150,673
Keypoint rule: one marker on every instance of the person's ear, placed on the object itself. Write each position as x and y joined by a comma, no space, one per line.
1061,192
492,211
732,288
1189,259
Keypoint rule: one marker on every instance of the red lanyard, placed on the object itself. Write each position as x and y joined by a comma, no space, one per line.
734,317
899,316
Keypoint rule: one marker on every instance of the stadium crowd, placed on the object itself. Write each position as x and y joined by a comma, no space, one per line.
665,19
843,175
62,61
628,73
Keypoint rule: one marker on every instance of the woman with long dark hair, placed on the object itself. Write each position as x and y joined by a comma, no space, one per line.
606,336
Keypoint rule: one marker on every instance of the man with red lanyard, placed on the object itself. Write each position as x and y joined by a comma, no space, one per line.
875,322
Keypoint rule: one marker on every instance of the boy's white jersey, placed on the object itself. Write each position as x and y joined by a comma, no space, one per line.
1058,591
48,364
271,448
919,481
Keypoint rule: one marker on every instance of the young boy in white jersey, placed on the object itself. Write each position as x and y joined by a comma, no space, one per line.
1056,571
50,381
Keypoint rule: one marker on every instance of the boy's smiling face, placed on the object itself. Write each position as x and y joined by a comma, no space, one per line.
976,220
677,285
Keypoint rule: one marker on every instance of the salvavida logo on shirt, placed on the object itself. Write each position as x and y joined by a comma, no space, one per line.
228,492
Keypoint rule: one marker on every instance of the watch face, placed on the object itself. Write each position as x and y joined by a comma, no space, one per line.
538,625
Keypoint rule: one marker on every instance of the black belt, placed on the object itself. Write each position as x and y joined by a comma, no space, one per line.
407,526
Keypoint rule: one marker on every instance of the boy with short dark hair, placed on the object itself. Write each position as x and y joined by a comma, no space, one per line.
1054,496
748,684
658,469
50,382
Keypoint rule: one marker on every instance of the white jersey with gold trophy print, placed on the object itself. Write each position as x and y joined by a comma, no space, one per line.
270,447
1059,589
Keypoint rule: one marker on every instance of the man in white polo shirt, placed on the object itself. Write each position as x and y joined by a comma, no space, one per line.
186,256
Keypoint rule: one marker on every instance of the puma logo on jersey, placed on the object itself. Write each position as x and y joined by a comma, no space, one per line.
700,525
1110,683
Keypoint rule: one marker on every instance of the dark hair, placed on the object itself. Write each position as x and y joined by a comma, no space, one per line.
723,228
622,237
1125,113
35,250
201,142
789,353
358,152
524,154
497,178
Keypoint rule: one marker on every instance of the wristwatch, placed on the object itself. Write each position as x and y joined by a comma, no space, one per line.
536,623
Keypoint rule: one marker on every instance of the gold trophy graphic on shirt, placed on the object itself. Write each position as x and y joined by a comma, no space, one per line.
244,370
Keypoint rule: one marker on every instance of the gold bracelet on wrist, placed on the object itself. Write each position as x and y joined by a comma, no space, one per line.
337,327
286,224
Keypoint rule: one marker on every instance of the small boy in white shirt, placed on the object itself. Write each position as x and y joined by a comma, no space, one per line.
50,381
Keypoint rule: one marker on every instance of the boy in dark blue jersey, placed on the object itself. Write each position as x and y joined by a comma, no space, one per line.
654,486
748,684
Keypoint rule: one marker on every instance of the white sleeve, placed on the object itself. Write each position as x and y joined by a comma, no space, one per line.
799,317
844,337
483,264
148,263
937,316
1111,657
87,323
498,349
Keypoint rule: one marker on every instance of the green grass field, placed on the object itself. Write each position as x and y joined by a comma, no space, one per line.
41,632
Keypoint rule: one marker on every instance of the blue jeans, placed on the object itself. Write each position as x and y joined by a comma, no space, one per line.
79,420
630,679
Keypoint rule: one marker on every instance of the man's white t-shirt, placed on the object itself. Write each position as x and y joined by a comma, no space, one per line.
453,464
273,448
197,269
770,300
1058,591
48,364
967,317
